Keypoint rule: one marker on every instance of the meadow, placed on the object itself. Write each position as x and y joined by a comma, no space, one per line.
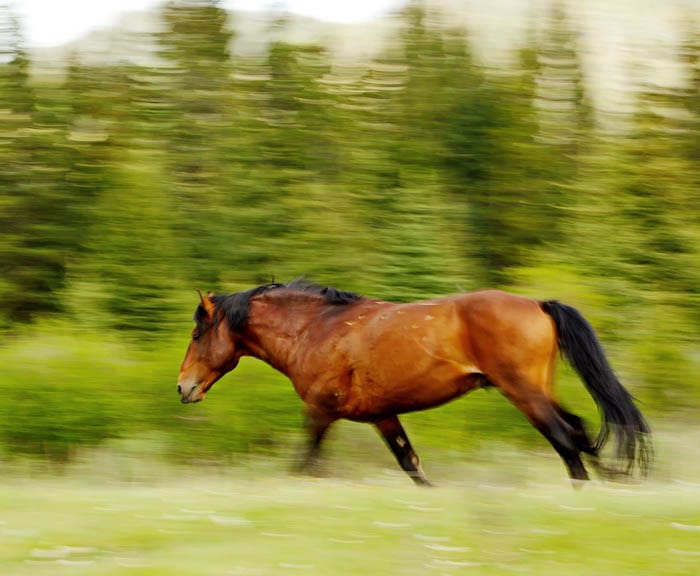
504,510
126,183
207,489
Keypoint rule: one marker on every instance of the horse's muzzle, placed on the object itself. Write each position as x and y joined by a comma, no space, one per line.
189,393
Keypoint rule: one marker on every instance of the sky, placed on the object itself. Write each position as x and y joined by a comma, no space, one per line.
55,22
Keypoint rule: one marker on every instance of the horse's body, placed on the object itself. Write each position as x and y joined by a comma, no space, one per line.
370,360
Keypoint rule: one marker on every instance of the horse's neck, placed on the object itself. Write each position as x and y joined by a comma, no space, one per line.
273,328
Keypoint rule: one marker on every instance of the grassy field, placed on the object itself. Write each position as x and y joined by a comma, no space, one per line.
515,514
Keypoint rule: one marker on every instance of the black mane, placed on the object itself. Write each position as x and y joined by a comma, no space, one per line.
236,306
330,295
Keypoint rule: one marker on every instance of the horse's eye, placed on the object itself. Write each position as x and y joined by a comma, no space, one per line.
196,334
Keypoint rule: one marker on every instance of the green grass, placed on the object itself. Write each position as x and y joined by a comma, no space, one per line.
159,519
125,503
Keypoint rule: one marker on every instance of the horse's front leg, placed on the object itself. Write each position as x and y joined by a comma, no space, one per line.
317,425
397,440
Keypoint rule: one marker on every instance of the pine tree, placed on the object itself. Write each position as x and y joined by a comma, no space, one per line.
194,87
35,216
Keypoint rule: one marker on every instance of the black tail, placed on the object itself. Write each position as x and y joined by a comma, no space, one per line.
579,343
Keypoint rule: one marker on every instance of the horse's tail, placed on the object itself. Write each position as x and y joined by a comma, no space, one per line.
579,343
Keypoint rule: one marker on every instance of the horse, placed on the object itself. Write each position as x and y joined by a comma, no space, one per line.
369,360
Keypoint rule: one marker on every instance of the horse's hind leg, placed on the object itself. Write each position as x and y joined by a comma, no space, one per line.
562,437
584,444
397,440
580,435
543,415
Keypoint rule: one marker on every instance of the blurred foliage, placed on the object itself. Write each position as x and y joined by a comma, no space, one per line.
423,172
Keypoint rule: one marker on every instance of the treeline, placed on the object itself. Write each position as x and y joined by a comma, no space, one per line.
126,185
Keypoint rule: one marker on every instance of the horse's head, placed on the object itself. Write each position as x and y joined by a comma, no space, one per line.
212,351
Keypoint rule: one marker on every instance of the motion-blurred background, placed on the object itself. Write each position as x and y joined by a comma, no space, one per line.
551,148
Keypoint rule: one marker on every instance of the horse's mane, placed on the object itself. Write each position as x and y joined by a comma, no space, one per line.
236,306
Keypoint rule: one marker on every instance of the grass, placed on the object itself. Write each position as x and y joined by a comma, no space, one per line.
125,508
159,519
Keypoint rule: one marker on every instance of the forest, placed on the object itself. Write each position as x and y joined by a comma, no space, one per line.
127,185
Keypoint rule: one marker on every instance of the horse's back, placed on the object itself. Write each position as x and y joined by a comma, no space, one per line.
478,325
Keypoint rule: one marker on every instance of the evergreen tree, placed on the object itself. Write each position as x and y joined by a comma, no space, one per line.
37,232
194,90
402,115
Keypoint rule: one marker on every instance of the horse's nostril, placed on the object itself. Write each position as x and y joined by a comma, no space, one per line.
179,389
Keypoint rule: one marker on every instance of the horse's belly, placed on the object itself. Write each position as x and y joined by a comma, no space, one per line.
370,398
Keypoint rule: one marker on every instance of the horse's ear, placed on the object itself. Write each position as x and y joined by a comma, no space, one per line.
206,302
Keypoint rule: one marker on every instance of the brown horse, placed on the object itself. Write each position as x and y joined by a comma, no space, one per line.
368,360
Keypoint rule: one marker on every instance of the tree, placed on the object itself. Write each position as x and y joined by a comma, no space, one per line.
194,90
37,233
400,113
